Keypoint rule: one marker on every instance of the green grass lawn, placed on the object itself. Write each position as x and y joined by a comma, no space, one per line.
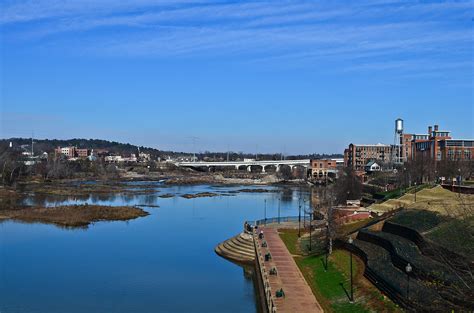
328,285
290,238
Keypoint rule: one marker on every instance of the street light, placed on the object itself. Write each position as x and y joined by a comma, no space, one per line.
304,214
279,205
327,247
265,212
299,220
310,218
415,191
406,182
459,182
352,285
408,270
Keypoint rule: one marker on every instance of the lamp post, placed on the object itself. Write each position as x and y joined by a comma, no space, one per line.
299,220
265,212
304,214
459,182
422,164
405,173
279,205
310,218
327,246
415,191
408,270
352,285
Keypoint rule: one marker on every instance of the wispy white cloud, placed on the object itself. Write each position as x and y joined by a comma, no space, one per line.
296,32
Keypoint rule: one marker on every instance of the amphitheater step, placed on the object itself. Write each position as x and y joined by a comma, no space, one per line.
238,249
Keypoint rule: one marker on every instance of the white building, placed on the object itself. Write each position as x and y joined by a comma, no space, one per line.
372,166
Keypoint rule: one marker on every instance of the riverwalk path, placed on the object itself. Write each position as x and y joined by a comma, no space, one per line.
298,297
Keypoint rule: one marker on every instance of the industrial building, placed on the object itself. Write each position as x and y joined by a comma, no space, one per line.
436,145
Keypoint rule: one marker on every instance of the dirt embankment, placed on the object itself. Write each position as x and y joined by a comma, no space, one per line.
73,215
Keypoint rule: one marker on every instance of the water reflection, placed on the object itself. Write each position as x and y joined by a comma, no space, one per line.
164,262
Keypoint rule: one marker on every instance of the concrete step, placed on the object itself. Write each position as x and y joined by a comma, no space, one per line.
244,241
233,256
232,247
239,249
242,245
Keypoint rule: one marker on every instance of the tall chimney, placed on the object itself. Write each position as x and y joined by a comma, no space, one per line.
430,130
436,128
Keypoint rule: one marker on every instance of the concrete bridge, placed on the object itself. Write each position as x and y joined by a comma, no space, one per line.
248,164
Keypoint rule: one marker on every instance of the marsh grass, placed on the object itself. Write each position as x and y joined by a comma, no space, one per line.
73,215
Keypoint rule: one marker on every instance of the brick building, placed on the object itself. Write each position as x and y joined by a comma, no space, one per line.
72,152
323,168
69,152
357,156
439,145
82,153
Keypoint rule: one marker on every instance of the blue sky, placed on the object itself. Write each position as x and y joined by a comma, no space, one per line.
272,76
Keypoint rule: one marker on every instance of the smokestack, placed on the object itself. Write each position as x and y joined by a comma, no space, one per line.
436,128
430,130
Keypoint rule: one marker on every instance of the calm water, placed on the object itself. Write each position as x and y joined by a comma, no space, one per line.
161,263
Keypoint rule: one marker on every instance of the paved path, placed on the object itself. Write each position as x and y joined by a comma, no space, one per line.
298,295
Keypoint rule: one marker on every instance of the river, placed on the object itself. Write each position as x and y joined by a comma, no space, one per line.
164,262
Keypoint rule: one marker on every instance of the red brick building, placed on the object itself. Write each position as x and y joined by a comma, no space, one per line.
357,156
69,152
82,153
439,145
321,169
72,152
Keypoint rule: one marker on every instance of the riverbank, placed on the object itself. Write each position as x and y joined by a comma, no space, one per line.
178,177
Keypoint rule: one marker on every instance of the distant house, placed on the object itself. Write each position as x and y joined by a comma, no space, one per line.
144,157
119,158
372,166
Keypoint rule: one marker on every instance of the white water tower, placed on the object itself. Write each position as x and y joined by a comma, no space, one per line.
398,141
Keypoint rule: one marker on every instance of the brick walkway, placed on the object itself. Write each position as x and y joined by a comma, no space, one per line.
298,295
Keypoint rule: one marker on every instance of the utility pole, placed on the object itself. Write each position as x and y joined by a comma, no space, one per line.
32,136
194,138
265,212
279,207
299,218
310,219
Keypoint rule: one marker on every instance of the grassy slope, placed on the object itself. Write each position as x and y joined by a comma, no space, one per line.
435,199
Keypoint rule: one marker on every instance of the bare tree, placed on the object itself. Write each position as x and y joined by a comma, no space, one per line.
348,186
